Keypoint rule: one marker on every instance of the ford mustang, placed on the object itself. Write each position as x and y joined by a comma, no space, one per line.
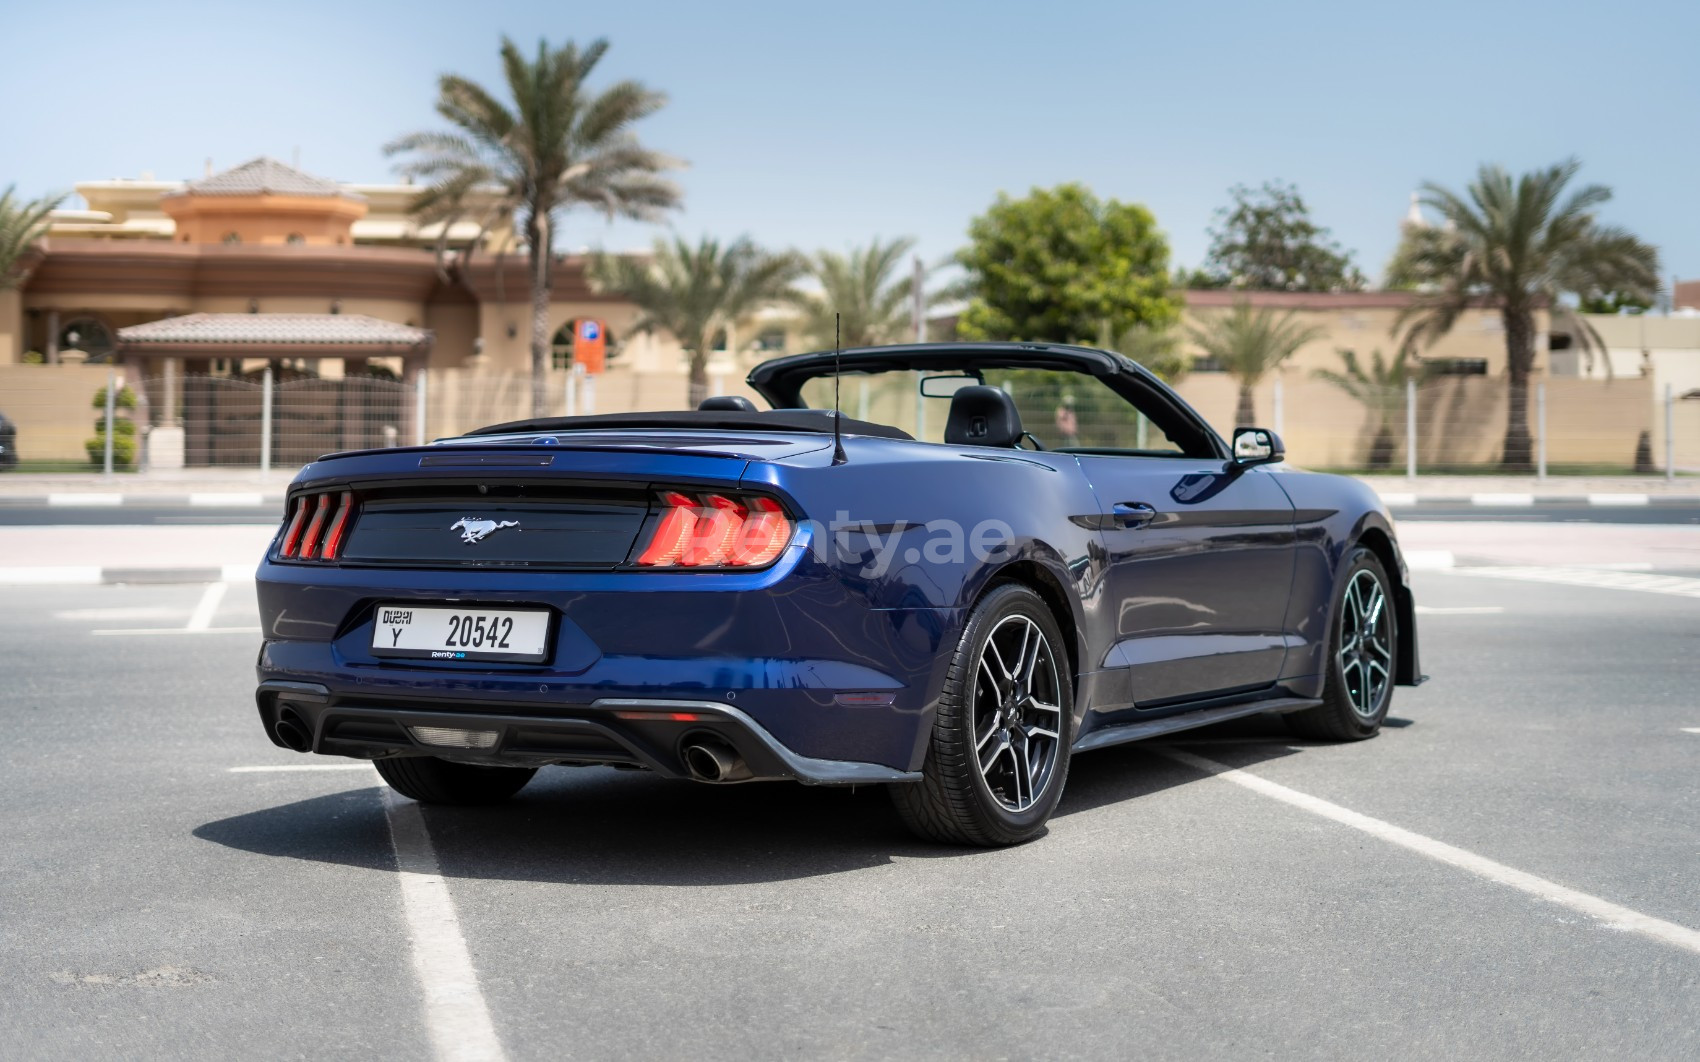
941,568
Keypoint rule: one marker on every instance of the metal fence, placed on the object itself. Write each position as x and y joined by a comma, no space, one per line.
267,419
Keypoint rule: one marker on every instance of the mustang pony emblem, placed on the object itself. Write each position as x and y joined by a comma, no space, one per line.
475,530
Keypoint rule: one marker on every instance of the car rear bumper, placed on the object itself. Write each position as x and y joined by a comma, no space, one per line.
642,733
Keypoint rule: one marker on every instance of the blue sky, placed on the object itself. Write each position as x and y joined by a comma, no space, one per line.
815,125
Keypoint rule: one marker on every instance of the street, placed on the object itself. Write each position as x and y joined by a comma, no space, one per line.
177,886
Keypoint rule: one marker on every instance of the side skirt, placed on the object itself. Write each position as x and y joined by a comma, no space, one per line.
1141,729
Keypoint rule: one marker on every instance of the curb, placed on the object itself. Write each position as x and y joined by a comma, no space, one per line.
1497,500
83,575
104,500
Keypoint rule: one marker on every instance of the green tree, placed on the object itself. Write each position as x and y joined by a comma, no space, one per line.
556,146
1380,389
21,223
1058,264
1522,243
873,305
696,292
1250,343
1265,240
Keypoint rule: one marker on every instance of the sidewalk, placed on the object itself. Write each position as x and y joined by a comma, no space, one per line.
236,486
182,487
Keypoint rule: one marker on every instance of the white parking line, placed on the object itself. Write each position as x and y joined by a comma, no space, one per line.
1613,915
201,618
1392,499
1691,730
266,768
456,1016
1459,610
1426,560
177,630
1678,585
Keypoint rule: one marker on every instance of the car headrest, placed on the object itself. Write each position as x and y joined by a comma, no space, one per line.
982,416
728,404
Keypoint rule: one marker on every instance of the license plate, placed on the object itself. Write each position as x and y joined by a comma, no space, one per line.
461,633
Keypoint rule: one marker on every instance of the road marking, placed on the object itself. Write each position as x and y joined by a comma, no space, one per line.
1460,610
1691,730
1502,499
1390,500
1423,560
300,767
130,613
1678,585
1611,914
1619,499
50,574
201,618
234,499
178,630
456,1016
86,500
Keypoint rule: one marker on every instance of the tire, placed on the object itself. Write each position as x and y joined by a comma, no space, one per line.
972,788
1363,647
433,781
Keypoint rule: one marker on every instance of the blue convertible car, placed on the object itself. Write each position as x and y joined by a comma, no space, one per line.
731,594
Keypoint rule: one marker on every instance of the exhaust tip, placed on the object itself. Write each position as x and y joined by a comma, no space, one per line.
713,760
292,733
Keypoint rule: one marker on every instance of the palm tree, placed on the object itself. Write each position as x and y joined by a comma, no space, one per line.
697,292
1381,390
21,222
872,307
1520,244
557,146
1249,343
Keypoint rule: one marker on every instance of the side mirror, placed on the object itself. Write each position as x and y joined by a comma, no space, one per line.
1257,446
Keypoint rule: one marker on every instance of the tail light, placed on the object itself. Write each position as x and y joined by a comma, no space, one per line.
318,524
716,531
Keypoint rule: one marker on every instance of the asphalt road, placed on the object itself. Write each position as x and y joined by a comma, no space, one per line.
17,512
156,903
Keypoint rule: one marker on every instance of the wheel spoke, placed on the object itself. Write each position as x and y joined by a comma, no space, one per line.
1023,776
1040,706
1041,732
988,760
992,648
1373,614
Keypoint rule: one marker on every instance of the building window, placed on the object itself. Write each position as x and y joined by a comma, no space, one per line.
89,335
232,238
1458,366
773,339
295,237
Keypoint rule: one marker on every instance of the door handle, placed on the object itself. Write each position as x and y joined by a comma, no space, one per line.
1132,514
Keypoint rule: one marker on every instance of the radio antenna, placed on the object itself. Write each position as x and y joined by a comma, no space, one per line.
838,455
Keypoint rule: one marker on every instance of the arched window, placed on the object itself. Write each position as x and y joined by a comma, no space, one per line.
232,237
87,334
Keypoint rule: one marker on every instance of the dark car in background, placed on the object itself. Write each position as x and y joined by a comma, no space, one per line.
8,444
732,594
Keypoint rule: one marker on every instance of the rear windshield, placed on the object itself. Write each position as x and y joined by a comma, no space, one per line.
1062,410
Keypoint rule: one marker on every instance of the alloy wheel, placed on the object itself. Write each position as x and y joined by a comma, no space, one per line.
1366,644
1017,713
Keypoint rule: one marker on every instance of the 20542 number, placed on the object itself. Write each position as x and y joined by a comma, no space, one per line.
479,632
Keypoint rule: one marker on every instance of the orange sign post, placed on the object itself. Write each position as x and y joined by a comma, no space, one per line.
590,345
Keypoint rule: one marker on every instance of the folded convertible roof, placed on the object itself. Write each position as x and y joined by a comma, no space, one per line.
788,420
